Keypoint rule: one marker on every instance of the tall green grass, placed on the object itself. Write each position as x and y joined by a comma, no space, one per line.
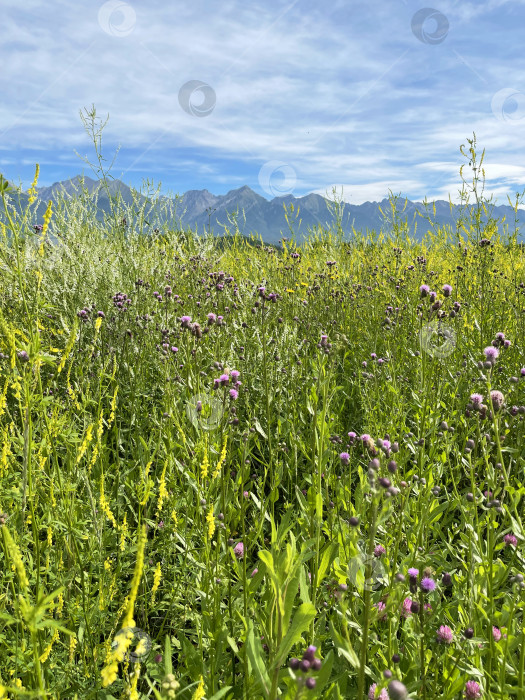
152,546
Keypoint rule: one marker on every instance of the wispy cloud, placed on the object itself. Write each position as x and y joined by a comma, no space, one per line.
367,96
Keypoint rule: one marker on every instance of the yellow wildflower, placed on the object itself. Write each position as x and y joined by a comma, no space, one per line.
139,566
47,651
211,522
156,580
199,692
221,460
32,190
16,557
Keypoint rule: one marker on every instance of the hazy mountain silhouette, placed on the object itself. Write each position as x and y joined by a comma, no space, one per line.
200,210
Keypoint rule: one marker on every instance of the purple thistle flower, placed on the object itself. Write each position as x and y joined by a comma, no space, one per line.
383,695
491,353
447,290
309,654
413,573
379,550
476,400
406,609
238,550
380,608
224,379
511,539
234,394
428,584
344,457
445,634
496,633
234,374
424,290
472,690
497,399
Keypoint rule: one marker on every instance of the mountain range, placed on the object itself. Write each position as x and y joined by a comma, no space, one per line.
200,211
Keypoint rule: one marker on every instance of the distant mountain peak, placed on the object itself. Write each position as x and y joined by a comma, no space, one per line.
200,210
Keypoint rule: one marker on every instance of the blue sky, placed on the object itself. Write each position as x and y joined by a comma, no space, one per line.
284,96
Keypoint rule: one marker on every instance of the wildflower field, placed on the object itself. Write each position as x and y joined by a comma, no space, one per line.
236,470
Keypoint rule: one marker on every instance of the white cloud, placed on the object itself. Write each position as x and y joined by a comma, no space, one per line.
344,93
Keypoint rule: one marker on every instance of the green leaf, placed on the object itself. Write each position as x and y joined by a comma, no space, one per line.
329,554
259,429
300,623
8,619
221,693
167,655
324,674
256,658
304,588
345,648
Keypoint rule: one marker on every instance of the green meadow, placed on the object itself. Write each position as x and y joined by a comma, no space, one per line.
245,471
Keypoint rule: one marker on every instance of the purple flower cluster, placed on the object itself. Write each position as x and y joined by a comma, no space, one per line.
306,665
121,301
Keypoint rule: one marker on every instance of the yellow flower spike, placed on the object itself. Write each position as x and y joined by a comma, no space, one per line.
221,460
205,463
156,581
123,533
104,503
16,557
85,444
47,219
162,488
32,190
113,405
109,674
72,644
139,566
47,650
200,691
211,522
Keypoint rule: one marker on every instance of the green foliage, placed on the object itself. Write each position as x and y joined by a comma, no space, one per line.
270,529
